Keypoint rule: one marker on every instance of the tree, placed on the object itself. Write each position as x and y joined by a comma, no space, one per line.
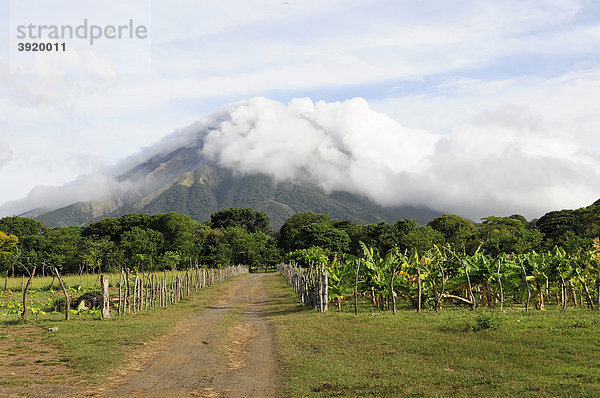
570,229
8,250
456,230
7,242
112,228
314,256
289,229
355,233
178,231
508,235
250,220
341,276
252,249
140,245
322,235
21,226
213,248
404,226
377,272
383,236
65,241
420,239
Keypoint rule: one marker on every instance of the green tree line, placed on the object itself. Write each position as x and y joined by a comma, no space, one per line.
245,236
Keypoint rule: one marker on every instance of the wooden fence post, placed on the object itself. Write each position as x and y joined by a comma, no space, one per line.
67,298
356,288
120,309
105,298
24,314
127,291
325,292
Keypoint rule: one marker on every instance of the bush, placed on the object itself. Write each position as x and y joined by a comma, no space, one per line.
486,320
58,304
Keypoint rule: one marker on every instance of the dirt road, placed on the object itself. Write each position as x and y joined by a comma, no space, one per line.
227,351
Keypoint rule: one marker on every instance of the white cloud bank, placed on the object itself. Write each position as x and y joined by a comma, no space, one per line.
6,154
504,161
429,65
508,160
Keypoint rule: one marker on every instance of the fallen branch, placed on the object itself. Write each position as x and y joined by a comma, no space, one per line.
451,296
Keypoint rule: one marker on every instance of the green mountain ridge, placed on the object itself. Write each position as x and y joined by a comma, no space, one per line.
211,188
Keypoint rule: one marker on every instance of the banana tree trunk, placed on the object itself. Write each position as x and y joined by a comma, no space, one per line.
356,288
418,289
598,286
435,296
473,304
540,296
452,296
438,298
500,284
528,289
392,290
588,297
563,293
573,293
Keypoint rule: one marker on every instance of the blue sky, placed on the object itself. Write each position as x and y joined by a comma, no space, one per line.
459,69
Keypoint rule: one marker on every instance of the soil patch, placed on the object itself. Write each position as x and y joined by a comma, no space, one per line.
29,366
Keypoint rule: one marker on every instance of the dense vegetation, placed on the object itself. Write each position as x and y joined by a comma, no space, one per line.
137,241
557,248
501,262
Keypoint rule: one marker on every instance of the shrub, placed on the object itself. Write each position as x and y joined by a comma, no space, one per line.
486,320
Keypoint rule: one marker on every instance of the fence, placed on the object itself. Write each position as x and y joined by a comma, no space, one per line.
309,284
137,292
141,292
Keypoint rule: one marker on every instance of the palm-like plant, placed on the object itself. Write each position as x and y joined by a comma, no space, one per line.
595,255
583,270
538,270
377,273
340,278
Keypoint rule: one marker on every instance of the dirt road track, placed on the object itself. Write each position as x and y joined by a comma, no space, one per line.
226,351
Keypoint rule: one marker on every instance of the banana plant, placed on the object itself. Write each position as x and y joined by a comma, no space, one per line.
583,270
538,268
413,265
595,257
561,267
340,274
435,260
377,273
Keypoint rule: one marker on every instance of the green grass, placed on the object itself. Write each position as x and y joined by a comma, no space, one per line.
73,281
550,353
94,347
44,294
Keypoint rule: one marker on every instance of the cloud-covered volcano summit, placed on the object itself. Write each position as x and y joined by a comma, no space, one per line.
490,166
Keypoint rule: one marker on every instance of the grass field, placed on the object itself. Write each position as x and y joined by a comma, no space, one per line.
455,353
92,347
45,291
85,280
549,353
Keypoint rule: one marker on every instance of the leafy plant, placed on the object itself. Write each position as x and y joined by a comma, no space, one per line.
487,321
